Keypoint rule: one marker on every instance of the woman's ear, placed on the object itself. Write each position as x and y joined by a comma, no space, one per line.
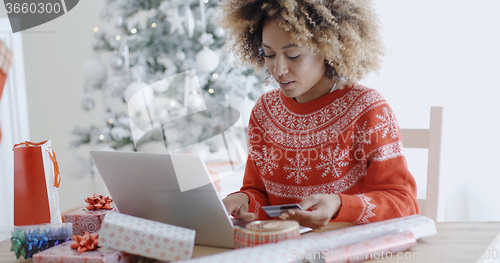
330,70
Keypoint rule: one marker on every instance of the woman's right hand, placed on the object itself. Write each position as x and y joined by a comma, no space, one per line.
237,205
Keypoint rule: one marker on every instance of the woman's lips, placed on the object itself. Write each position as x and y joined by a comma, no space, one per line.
286,84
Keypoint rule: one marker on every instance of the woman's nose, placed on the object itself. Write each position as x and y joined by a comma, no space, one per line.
280,67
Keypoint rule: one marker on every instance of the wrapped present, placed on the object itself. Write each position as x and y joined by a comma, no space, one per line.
146,238
29,240
90,218
64,253
263,232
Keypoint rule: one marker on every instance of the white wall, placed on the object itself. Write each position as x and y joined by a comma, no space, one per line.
442,53
446,53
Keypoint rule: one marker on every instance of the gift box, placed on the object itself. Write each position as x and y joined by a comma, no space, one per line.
89,219
29,240
64,253
146,238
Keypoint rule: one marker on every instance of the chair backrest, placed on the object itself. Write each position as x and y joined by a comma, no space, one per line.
428,139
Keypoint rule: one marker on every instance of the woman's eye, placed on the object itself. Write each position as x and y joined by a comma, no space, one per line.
268,56
294,57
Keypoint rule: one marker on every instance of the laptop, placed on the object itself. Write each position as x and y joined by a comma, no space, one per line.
147,186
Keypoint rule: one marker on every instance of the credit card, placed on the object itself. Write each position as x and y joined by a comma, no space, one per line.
276,210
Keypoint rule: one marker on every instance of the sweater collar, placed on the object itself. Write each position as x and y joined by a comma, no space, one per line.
314,105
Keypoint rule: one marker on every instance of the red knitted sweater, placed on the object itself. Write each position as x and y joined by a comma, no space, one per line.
346,142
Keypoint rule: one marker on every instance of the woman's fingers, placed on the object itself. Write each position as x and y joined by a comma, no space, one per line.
315,219
237,205
247,216
309,202
242,212
322,207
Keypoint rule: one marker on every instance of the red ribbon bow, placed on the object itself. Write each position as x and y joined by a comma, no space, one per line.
87,242
98,202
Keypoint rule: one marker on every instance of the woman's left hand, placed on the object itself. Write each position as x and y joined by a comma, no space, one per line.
323,207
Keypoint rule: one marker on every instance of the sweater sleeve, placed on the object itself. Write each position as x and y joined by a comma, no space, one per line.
390,193
254,188
253,185
390,188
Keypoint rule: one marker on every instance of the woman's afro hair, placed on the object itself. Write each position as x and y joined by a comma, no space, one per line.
346,32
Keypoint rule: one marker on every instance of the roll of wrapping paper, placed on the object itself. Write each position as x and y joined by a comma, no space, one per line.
263,232
420,226
374,248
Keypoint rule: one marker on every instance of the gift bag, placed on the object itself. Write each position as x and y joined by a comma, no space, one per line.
36,179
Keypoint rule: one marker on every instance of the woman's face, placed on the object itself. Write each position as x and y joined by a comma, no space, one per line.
299,73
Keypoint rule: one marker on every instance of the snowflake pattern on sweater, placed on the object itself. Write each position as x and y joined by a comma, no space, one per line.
346,142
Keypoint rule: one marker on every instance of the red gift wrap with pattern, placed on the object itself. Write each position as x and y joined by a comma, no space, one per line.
146,238
85,220
64,253
263,232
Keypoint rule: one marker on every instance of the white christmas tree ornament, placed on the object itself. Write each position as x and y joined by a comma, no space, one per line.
189,20
207,60
175,21
136,87
94,71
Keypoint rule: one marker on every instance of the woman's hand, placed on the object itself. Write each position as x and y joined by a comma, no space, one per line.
237,205
323,207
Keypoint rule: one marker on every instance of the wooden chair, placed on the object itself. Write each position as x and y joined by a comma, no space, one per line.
428,139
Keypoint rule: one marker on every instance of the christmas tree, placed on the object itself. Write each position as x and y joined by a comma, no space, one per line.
153,41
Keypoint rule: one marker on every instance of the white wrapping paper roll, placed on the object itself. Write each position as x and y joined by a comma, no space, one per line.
290,250
381,247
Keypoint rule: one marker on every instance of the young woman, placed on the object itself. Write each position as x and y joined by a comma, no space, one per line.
321,139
